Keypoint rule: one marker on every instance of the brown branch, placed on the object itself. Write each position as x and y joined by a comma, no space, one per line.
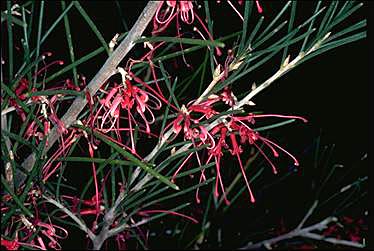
305,232
106,71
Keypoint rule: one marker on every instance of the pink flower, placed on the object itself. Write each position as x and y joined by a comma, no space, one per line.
10,245
130,99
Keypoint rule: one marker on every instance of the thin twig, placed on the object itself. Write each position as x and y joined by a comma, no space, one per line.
334,240
71,215
309,213
304,232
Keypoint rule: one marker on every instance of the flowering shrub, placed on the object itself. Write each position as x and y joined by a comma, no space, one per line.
143,126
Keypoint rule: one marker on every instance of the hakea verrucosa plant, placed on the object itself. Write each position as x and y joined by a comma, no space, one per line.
129,107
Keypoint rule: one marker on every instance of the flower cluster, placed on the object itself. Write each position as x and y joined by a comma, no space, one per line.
237,129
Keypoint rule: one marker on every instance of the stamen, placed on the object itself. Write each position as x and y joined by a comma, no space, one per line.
266,157
180,167
296,162
218,51
259,9
168,212
278,116
252,198
237,12
60,62
201,34
166,11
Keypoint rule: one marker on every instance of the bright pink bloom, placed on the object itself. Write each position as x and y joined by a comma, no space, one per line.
130,98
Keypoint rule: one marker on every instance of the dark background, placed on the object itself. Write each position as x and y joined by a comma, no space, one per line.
330,90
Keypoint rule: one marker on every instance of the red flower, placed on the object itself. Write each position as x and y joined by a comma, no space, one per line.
10,245
129,98
236,126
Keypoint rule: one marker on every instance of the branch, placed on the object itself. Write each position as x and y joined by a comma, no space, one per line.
306,232
106,71
109,217
308,214
71,215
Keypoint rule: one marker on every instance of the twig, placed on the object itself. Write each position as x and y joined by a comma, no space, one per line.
308,214
307,233
71,215
12,108
334,240
104,73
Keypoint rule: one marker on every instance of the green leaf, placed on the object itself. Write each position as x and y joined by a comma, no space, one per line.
159,215
182,40
132,158
96,160
290,24
332,45
254,32
186,83
351,28
70,42
92,25
247,13
194,170
202,74
275,125
13,19
15,198
177,194
342,17
26,45
19,139
273,21
36,169
14,96
38,44
168,84
269,35
10,39
125,26
210,28
76,63
165,116
310,27
56,92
